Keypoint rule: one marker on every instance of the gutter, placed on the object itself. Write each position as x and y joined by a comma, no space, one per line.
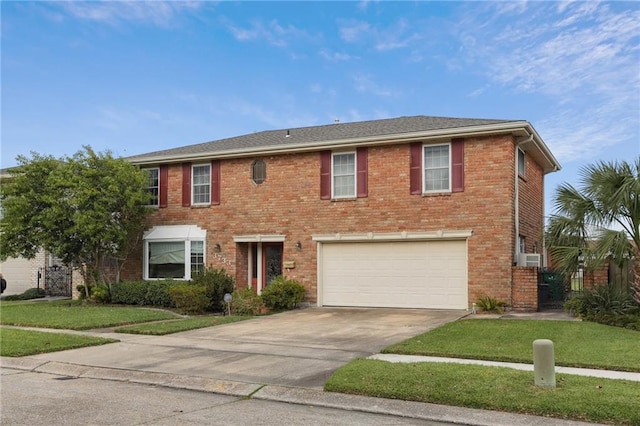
516,246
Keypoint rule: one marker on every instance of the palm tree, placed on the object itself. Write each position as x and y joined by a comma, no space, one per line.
600,220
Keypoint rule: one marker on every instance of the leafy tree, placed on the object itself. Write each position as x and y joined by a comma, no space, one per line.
598,221
83,209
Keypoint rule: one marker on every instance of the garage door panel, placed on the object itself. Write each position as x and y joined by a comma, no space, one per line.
398,274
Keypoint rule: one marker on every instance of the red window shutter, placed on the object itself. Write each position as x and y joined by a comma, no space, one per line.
415,168
215,182
362,158
164,185
186,184
325,175
457,165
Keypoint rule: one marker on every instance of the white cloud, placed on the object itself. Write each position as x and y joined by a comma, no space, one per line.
398,35
114,12
580,54
273,32
335,56
364,83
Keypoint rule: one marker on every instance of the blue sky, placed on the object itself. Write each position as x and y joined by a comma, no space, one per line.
134,77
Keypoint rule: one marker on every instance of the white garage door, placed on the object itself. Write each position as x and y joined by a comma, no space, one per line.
19,273
421,274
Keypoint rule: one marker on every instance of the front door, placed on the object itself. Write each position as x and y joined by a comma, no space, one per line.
272,261
266,264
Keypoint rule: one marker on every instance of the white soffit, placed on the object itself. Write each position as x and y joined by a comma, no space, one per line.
395,236
175,232
259,238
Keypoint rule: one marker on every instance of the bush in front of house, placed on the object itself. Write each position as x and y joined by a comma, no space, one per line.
606,305
158,293
282,294
150,293
217,282
491,304
101,294
31,293
130,292
246,302
190,299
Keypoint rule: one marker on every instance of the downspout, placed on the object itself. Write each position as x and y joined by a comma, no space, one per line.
516,245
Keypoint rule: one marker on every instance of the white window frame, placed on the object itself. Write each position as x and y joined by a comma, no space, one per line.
156,202
522,164
334,176
522,243
424,169
195,185
176,233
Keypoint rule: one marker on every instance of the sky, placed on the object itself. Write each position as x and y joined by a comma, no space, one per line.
135,76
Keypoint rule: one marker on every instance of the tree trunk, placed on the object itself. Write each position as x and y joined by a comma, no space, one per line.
635,286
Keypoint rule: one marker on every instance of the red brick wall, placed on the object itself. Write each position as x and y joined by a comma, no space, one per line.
531,191
288,203
525,289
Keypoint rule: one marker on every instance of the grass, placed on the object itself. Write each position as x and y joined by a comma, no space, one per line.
576,344
74,315
575,397
17,342
176,326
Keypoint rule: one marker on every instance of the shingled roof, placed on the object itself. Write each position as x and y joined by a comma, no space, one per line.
326,136
329,132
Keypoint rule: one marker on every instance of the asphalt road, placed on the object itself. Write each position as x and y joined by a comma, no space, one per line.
28,398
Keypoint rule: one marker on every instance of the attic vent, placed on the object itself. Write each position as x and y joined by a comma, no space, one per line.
258,171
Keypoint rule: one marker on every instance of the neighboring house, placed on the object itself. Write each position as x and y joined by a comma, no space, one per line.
409,212
43,271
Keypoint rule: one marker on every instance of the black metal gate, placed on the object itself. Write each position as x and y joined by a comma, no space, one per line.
57,280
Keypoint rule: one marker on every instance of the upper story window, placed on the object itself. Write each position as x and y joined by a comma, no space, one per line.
258,171
437,168
153,185
521,162
201,184
343,173
522,246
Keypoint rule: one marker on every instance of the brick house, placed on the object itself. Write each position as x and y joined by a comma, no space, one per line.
410,212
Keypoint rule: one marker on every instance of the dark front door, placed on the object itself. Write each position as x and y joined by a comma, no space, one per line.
271,261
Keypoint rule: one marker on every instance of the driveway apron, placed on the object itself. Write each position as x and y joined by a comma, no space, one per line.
299,348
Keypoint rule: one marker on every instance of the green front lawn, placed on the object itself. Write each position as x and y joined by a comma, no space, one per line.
73,315
15,342
503,389
580,344
576,344
176,326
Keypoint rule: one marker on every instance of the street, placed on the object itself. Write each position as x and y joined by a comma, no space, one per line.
28,398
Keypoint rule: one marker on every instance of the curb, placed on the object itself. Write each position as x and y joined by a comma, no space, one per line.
300,396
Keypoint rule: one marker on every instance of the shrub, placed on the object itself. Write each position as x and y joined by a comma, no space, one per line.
81,291
189,299
245,302
282,294
101,294
491,304
130,292
217,283
602,299
31,293
157,293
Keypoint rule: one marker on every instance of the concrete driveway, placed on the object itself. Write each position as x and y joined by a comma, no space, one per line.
299,348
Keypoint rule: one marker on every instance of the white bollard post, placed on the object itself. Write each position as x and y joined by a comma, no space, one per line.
544,369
